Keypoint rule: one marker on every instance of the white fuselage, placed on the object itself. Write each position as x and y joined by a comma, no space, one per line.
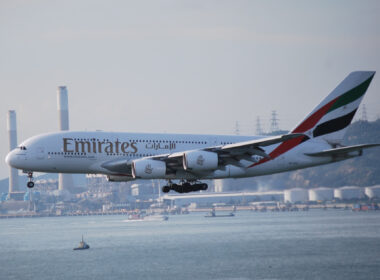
86,152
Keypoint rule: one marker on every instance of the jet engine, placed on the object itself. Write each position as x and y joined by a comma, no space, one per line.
148,169
200,160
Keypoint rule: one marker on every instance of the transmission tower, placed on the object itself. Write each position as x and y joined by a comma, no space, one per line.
274,122
237,129
364,113
259,130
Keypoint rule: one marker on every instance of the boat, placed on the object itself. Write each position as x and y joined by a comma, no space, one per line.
156,218
82,245
212,214
137,217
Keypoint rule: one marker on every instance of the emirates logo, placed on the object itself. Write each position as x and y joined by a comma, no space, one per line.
200,160
148,169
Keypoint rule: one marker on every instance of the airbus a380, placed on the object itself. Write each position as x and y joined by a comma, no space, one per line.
187,159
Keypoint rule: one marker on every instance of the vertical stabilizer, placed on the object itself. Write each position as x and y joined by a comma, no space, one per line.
330,119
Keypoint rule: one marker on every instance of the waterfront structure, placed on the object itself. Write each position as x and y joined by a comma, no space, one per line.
349,192
372,192
229,198
321,194
296,195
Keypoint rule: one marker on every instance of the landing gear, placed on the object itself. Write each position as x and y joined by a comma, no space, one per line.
30,183
165,189
184,187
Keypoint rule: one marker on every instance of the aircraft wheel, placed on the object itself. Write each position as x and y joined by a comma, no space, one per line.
165,189
30,184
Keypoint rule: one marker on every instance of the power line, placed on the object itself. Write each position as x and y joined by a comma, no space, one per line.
237,129
364,113
259,130
274,122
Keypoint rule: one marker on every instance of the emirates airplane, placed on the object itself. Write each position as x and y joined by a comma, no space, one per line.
189,158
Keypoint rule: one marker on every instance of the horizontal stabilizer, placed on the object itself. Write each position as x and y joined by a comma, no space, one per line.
344,151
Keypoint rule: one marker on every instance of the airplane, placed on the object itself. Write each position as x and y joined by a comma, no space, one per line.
188,159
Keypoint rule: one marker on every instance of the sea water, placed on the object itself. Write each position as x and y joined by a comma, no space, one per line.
317,244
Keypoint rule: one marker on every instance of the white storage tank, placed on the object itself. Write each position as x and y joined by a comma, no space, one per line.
349,192
321,194
135,189
373,191
296,195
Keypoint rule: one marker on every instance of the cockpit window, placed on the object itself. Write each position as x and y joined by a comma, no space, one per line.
22,148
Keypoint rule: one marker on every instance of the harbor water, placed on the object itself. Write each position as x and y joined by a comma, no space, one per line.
333,244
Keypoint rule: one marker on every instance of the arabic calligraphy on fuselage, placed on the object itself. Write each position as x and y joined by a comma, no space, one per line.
160,146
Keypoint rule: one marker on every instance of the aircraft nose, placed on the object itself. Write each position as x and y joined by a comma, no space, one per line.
11,158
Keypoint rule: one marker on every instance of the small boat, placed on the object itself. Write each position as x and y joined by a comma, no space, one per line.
82,245
156,218
212,214
137,217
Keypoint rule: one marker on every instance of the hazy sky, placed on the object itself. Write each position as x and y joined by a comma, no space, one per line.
179,66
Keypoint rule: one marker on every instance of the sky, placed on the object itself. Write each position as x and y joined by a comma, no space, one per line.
179,66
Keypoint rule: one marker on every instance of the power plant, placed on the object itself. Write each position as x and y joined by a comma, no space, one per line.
65,181
12,137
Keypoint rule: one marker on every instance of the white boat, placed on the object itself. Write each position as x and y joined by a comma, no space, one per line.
137,217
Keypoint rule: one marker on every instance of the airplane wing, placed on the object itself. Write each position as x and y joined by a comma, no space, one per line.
227,154
343,152
231,153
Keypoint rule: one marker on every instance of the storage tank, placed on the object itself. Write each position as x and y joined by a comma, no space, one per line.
296,195
373,191
349,192
321,194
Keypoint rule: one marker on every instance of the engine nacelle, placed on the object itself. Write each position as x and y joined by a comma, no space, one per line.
200,160
148,169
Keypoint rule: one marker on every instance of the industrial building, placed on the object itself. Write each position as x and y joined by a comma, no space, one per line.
321,194
349,192
296,195
372,192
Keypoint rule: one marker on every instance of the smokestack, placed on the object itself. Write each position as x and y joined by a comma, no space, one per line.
63,108
12,136
65,181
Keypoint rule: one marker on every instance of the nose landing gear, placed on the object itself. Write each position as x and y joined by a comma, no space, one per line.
30,183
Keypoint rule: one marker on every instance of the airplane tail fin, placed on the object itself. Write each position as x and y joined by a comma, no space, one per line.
329,120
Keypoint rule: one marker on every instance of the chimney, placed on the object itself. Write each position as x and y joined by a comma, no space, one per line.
65,181
63,108
12,136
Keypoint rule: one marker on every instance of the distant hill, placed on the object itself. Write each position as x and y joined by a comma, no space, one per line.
359,171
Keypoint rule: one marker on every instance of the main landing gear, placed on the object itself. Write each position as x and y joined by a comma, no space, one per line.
30,183
184,187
